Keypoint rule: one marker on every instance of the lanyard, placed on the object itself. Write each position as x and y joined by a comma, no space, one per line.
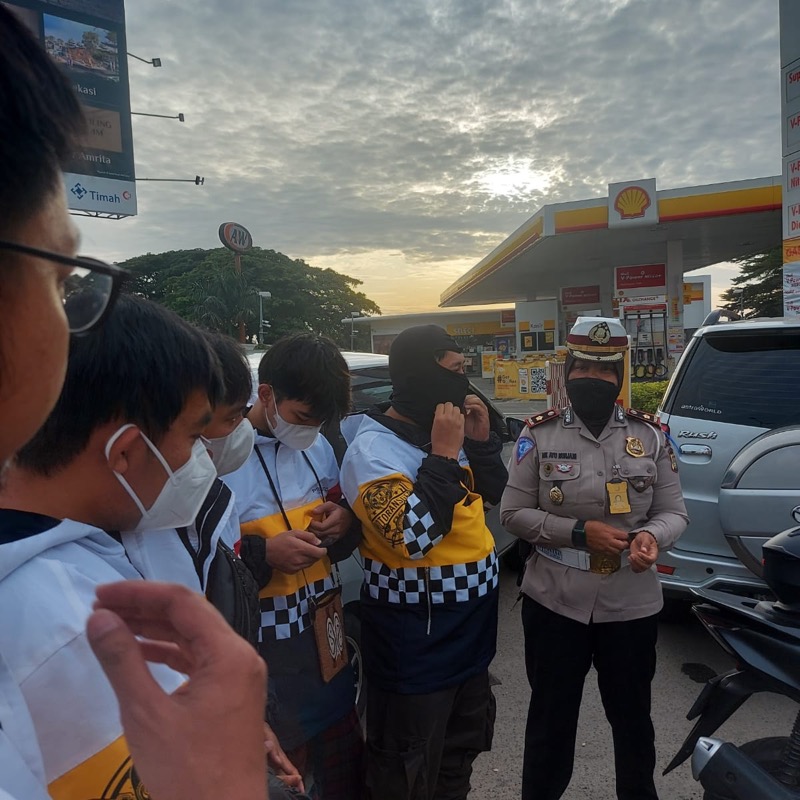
277,497
272,482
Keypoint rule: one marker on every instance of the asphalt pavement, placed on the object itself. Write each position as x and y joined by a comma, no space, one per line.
687,656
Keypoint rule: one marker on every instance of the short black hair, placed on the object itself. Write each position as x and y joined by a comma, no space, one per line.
309,368
235,369
141,368
40,119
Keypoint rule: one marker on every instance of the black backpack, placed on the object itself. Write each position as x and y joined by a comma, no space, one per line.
233,591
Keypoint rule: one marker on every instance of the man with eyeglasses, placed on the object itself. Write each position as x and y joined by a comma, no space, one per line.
205,741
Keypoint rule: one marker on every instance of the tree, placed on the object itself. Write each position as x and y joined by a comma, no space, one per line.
761,282
203,287
90,40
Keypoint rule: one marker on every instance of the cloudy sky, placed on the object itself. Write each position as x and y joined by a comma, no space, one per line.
399,141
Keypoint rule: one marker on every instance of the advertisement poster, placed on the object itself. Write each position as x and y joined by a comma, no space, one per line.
580,295
86,38
791,289
640,279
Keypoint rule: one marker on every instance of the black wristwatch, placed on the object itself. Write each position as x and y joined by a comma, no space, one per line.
579,534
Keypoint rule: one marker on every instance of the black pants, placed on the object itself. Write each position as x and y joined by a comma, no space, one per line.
421,746
558,654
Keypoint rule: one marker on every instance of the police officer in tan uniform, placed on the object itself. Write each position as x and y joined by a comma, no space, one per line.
595,489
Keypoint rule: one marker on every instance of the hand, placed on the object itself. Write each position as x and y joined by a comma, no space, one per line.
280,762
206,740
447,433
293,551
476,419
644,551
605,540
330,520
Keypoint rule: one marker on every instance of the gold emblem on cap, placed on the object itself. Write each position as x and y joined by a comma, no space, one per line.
556,496
634,447
600,333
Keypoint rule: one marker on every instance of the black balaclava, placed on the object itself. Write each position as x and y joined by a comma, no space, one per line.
593,399
419,384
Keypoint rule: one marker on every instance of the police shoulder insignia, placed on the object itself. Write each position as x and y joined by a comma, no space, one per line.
524,446
644,416
538,419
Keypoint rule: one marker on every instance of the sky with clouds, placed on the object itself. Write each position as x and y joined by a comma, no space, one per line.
400,142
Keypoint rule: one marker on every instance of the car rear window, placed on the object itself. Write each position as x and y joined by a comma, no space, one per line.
370,387
742,379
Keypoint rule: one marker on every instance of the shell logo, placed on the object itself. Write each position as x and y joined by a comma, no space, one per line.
632,202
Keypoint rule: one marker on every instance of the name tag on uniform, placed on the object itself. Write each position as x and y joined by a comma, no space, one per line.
618,502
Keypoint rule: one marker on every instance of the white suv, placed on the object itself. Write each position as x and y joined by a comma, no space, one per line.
732,410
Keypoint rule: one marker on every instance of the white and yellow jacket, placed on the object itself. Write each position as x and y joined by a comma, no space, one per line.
303,705
48,573
429,599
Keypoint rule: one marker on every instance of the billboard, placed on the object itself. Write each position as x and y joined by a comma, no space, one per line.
87,40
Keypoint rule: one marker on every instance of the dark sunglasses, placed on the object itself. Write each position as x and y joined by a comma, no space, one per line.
89,292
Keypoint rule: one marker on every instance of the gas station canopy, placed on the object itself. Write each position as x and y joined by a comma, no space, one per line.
577,243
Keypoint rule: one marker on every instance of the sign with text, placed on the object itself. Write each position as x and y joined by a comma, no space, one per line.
87,41
508,317
791,290
235,237
640,279
580,295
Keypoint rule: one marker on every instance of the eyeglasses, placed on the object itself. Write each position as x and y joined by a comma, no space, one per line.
89,292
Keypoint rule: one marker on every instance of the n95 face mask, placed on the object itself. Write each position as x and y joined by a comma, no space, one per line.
183,493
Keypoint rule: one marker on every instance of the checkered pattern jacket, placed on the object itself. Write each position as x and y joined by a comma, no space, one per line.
430,567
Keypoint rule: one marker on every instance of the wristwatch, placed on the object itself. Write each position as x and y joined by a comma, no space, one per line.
579,534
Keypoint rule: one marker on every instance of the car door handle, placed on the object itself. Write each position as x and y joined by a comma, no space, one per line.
694,450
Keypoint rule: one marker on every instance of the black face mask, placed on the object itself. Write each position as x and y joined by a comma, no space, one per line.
593,401
419,384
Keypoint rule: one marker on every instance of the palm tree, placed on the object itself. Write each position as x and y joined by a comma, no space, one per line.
224,300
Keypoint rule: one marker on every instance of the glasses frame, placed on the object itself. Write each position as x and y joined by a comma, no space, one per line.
118,275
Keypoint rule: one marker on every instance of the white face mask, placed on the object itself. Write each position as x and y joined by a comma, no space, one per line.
229,452
298,437
183,494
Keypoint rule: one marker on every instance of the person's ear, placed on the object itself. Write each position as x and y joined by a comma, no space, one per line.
119,454
265,394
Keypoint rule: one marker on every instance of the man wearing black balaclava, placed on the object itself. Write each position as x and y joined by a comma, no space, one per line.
595,489
417,474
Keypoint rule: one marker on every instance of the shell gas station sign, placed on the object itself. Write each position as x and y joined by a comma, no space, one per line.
632,203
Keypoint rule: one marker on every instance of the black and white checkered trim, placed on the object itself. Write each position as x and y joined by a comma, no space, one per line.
288,615
420,531
456,582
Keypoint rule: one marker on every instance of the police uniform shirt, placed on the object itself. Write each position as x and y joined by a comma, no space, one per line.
558,474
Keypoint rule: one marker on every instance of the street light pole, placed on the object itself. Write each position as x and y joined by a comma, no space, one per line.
353,315
180,117
156,62
261,296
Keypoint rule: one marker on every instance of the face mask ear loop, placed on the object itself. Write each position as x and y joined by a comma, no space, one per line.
128,488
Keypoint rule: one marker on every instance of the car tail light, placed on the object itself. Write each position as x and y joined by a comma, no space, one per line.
663,569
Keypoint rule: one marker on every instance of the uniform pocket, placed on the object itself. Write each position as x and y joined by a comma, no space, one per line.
397,774
640,473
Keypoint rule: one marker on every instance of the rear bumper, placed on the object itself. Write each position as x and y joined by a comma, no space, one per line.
701,571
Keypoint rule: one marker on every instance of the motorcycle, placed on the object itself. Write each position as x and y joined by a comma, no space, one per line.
763,638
